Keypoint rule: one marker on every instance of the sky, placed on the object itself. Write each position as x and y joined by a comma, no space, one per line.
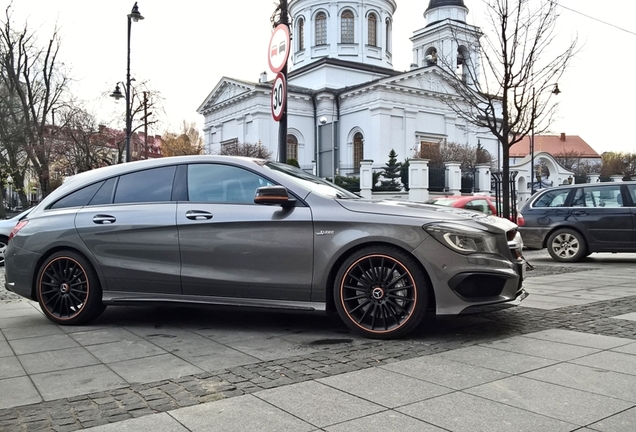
183,48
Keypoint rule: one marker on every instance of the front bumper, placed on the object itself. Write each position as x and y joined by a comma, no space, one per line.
466,283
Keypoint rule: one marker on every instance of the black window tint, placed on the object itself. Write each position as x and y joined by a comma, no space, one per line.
146,186
105,194
632,192
222,183
79,198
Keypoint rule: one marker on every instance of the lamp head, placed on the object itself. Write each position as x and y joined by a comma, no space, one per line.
117,94
323,120
134,14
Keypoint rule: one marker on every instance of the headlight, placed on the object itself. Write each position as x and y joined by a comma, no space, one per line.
463,239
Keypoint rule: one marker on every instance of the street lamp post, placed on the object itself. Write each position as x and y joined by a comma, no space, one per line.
555,91
135,16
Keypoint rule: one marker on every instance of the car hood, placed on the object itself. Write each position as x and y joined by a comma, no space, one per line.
427,212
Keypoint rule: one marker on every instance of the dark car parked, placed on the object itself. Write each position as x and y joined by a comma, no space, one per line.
577,220
245,232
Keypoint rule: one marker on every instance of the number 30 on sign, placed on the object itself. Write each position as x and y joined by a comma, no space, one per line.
279,96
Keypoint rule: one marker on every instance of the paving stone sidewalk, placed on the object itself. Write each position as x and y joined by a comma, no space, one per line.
336,355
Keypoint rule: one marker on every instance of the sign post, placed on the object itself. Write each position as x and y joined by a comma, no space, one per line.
277,55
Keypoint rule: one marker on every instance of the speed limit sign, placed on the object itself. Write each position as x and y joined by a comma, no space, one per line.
279,96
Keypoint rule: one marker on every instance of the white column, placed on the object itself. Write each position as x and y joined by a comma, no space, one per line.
482,177
593,178
366,178
418,180
617,178
453,177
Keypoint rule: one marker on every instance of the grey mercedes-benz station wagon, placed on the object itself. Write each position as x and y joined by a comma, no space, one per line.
245,232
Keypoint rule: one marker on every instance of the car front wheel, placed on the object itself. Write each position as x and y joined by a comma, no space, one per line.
566,245
3,248
381,292
68,289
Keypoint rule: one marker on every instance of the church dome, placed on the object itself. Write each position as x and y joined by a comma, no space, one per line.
439,3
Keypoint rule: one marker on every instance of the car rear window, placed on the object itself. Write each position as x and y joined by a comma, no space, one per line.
554,198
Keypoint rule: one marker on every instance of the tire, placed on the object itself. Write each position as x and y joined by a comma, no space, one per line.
3,249
68,289
566,245
381,292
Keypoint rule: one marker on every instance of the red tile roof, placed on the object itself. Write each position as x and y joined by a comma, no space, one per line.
555,145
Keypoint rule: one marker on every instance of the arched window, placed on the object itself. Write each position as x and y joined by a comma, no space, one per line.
346,27
388,35
431,56
321,29
373,30
300,29
358,151
292,147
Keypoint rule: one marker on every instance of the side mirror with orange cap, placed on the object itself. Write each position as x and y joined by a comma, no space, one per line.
273,195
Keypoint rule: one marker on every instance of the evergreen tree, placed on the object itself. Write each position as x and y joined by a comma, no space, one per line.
392,172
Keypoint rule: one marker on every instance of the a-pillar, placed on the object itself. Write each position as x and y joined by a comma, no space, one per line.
418,180
366,178
453,177
482,178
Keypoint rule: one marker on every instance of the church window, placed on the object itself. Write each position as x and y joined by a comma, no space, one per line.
373,30
321,29
301,34
292,147
346,29
388,35
358,151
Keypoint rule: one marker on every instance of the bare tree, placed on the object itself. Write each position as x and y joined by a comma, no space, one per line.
35,83
511,97
188,142
78,143
236,148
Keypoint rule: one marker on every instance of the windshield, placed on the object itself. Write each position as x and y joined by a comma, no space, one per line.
311,182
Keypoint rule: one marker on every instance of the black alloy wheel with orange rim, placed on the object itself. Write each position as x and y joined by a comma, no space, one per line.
381,292
68,289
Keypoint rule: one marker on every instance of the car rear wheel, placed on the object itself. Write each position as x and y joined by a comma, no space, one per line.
3,248
567,245
68,289
381,292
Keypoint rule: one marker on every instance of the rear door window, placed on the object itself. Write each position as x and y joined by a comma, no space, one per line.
153,185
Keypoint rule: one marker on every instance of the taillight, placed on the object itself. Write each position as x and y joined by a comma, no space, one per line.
520,220
17,228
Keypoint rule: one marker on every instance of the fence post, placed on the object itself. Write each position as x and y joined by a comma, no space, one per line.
366,178
418,180
453,177
593,178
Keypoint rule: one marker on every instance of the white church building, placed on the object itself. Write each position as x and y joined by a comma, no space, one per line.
346,103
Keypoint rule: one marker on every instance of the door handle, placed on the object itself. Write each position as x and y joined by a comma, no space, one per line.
198,215
104,219
579,213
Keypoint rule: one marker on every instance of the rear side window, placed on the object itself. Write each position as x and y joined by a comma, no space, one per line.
79,198
146,186
552,199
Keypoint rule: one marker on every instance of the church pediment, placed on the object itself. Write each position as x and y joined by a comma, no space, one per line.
226,90
429,80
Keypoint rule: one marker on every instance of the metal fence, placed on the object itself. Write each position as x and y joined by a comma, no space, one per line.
497,186
436,179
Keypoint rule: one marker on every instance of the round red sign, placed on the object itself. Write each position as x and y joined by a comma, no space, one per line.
278,50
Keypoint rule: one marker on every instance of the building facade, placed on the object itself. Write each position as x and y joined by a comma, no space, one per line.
346,102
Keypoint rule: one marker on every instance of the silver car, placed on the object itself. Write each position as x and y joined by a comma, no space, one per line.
246,232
